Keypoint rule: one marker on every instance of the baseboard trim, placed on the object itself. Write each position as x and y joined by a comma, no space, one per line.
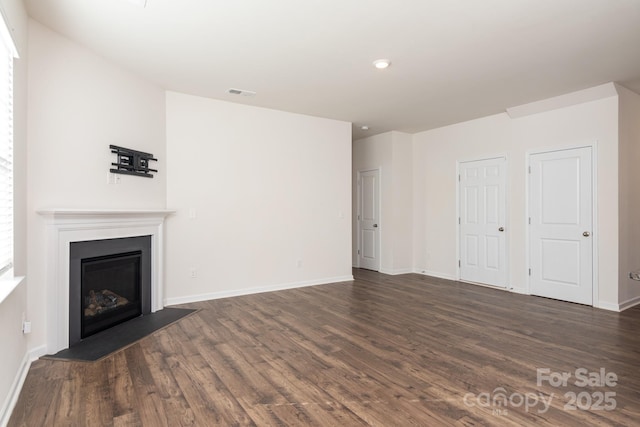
14,391
36,353
257,290
434,274
629,303
608,306
396,272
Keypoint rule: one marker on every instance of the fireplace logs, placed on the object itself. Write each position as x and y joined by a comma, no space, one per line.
101,301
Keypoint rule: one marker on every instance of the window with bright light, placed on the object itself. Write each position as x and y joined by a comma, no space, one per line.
7,53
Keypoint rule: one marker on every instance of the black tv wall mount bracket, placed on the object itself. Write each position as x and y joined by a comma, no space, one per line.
132,162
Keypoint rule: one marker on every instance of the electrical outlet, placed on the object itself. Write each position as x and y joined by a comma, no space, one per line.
26,327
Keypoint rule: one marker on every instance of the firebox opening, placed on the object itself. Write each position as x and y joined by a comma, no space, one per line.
109,283
110,291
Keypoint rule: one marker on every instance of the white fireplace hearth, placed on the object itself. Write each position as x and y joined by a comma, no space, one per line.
65,226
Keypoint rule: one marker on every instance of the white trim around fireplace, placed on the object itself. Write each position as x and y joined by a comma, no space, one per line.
76,225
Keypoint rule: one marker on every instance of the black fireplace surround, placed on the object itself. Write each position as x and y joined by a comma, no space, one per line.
109,283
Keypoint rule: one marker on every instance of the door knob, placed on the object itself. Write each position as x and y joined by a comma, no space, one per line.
501,229
586,234
375,225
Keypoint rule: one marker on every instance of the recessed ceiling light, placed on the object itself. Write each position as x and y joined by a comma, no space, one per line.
364,127
381,63
242,92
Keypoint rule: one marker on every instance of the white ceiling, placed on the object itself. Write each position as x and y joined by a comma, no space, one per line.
452,60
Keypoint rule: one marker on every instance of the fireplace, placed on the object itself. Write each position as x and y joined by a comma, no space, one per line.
70,226
109,283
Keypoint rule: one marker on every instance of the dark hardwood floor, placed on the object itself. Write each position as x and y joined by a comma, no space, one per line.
383,350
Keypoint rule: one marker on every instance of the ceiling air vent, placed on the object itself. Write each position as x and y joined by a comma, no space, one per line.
233,91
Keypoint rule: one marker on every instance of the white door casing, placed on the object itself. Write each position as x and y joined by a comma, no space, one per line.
369,219
482,221
561,224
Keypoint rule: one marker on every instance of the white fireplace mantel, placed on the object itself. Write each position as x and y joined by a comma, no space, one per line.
76,225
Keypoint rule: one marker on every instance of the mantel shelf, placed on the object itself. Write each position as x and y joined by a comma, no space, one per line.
65,212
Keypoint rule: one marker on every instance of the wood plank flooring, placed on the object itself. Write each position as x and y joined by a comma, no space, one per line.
382,350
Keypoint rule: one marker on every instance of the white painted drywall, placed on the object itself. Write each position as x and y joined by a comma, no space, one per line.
79,104
629,190
263,199
14,357
375,152
435,155
391,152
437,151
402,202
11,309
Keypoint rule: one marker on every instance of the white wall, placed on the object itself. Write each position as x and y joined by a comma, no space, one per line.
629,190
391,152
435,155
402,200
14,357
437,151
269,195
375,152
79,104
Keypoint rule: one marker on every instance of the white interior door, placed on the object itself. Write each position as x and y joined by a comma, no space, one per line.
482,222
369,220
561,209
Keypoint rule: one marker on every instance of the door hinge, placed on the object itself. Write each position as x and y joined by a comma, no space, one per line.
459,179
459,263
529,272
358,251
459,220
529,220
359,218
529,169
